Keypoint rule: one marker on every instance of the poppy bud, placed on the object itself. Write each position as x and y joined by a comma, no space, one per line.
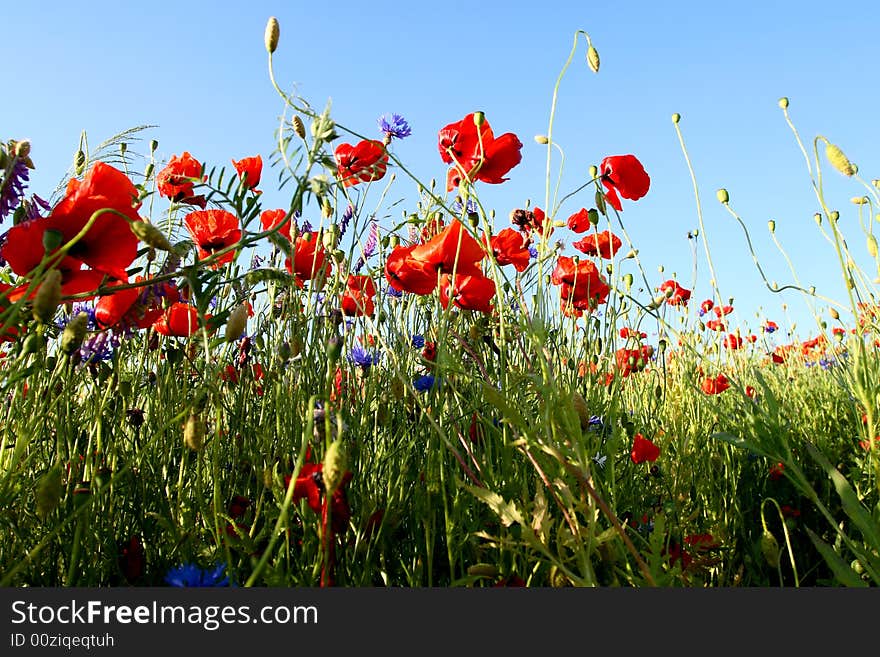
271,36
676,117
52,239
194,432
334,466
628,281
834,314
80,162
48,297
298,127
593,216
839,161
482,570
783,103
818,219
237,322
593,59
770,548
334,348
772,226
594,171
834,216
872,246
49,489
479,119
723,196
580,407
74,332
541,139
150,235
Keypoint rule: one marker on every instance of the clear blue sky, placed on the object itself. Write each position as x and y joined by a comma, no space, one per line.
198,71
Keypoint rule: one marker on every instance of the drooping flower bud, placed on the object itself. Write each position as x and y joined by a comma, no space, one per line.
542,139
783,103
723,196
151,236
49,489
839,161
48,297
74,333
237,322
334,466
194,432
298,126
593,59
273,31
770,548
772,226
676,117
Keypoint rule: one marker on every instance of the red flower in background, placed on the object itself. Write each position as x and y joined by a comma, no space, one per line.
676,295
213,230
271,218
715,325
366,162
715,386
179,319
633,360
581,284
176,181
706,306
579,222
358,296
249,169
643,450
108,246
623,175
467,292
309,259
604,244
476,153
509,248
134,307
733,341
723,310
407,274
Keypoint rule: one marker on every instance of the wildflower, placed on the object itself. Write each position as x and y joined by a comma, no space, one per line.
132,559
475,152
777,471
424,383
582,287
176,181
269,219
643,450
429,353
508,248
715,325
715,386
604,244
732,341
13,185
213,230
179,319
309,260
467,292
452,249
706,306
417,341
676,295
250,170
367,161
358,296
190,575
720,311
624,175
394,127
309,486
579,222
770,327
363,358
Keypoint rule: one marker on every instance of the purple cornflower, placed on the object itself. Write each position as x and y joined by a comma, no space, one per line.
190,575
394,127
392,292
78,308
13,186
306,227
33,208
98,347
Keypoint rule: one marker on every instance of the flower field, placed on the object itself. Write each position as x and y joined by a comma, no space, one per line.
206,390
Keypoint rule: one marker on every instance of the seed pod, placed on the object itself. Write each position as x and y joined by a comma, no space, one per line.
541,139
783,103
593,59
839,161
74,333
48,297
479,119
237,322
834,314
79,163
194,432
271,36
151,236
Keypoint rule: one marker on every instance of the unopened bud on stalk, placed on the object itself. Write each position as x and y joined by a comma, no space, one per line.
237,322
839,161
818,219
79,163
593,59
273,31
859,200
326,209
151,236
783,103
298,127
48,297
770,548
334,348
834,314
334,466
593,216
628,281
49,489
676,117
194,432
594,171
479,118
723,196
74,333
872,246
834,216
541,139
772,226
580,407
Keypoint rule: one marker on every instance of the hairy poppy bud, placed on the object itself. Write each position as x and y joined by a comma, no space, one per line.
237,322
74,333
772,226
48,297
872,246
479,119
79,162
839,161
541,139
818,219
151,236
593,59
580,407
783,103
334,466
194,432
834,314
723,196
676,117
49,489
770,548
298,127
272,33
859,200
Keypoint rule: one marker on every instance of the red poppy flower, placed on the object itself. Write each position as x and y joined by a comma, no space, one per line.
453,249
633,360
579,222
309,259
508,247
132,559
179,319
8,330
777,357
176,181
676,295
249,169
367,161
108,246
134,308
271,218
467,292
528,220
777,471
643,450
707,305
581,284
715,386
723,310
407,274
429,353
476,153
604,244
733,341
626,332
624,175
358,296
309,486
770,327
213,230
715,325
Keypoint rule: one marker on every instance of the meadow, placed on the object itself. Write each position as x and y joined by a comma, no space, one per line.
204,391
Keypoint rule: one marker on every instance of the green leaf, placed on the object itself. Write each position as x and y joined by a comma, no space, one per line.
842,570
498,400
506,511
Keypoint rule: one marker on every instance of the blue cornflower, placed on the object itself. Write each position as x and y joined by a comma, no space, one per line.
306,227
418,341
392,292
34,207
424,383
98,347
394,126
78,308
471,206
533,252
190,575
363,358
